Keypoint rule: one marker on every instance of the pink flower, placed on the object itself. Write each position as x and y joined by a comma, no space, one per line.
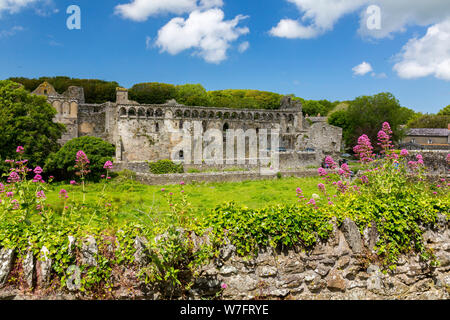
404,153
108,165
182,183
13,177
41,195
162,190
63,193
73,182
312,201
37,178
224,286
364,149
20,149
102,176
364,179
10,194
322,172
38,170
330,162
321,187
344,170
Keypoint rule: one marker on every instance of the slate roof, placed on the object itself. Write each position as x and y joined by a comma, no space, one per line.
429,132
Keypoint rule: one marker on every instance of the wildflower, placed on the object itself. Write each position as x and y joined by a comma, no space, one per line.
224,286
419,159
102,176
108,165
41,195
63,194
322,188
364,179
330,203
342,186
108,178
162,190
330,162
13,177
312,201
38,170
404,153
73,182
435,193
322,172
182,183
364,149
38,178
2,188
10,194
20,150
344,170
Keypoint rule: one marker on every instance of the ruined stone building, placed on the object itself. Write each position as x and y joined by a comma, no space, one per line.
144,133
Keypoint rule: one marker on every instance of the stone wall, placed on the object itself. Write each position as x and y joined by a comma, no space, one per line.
344,267
435,161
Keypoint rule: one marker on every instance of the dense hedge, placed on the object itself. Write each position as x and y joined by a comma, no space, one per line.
165,167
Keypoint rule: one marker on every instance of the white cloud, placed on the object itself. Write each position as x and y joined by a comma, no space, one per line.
11,32
427,56
292,29
320,16
362,69
14,6
243,46
141,10
206,32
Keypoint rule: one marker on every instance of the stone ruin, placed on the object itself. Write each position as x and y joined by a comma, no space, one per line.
144,133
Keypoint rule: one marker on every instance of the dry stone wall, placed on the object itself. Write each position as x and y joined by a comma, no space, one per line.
345,267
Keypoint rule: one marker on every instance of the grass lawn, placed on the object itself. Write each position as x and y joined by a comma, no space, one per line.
135,198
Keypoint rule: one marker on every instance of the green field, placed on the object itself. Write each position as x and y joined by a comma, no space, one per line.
135,198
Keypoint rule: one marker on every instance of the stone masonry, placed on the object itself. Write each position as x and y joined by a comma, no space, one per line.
144,133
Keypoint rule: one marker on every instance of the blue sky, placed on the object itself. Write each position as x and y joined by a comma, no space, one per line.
315,58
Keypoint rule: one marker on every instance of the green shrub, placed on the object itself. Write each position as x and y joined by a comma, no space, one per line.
165,167
61,164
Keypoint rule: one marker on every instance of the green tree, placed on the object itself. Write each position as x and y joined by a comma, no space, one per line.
95,91
152,92
192,95
61,164
314,108
366,115
26,120
445,111
430,121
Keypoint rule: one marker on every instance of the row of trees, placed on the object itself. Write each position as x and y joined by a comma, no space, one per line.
99,91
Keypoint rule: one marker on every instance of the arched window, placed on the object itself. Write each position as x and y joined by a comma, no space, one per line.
226,126
181,154
157,127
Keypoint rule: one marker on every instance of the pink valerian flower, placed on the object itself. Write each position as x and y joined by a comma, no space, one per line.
38,170
2,188
13,177
63,194
10,194
330,162
182,183
344,170
38,178
322,172
40,195
73,182
312,202
224,286
102,176
108,165
364,149
342,186
322,188
404,153
82,164
20,150
419,159
300,194
162,190
364,179
385,141
330,203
